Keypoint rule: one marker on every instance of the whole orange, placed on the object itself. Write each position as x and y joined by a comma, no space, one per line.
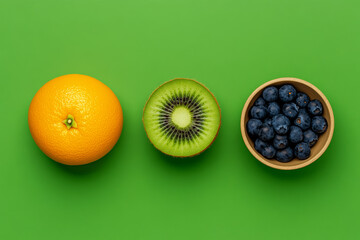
75,119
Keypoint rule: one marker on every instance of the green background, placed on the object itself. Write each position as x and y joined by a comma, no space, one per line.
135,192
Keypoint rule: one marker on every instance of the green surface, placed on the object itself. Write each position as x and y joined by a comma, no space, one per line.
135,192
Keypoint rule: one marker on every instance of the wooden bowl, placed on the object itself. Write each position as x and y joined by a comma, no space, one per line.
324,140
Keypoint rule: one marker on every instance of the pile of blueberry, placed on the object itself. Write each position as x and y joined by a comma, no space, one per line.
285,124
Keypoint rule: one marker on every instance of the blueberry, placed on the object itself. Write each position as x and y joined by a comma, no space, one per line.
281,124
268,121
303,120
253,126
290,110
266,132
302,151
270,94
296,134
268,152
285,155
319,124
273,109
258,112
280,141
287,93
264,148
315,107
260,145
259,102
310,137
302,99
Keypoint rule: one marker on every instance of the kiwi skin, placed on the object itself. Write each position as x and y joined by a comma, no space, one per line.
215,101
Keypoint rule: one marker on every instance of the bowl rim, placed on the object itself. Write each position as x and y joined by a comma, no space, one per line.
256,154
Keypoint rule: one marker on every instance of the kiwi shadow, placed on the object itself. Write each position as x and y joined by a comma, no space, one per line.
185,163
182,163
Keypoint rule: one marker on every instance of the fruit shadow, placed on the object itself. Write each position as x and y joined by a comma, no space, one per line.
185,163
311,171
58,167
98,166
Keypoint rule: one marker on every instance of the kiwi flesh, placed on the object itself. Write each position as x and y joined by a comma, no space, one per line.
182,118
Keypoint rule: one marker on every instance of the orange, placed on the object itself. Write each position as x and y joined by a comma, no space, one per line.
75,119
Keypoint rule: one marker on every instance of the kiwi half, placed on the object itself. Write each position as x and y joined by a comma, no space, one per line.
182,118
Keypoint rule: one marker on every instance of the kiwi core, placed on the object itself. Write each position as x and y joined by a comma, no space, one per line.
181,117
